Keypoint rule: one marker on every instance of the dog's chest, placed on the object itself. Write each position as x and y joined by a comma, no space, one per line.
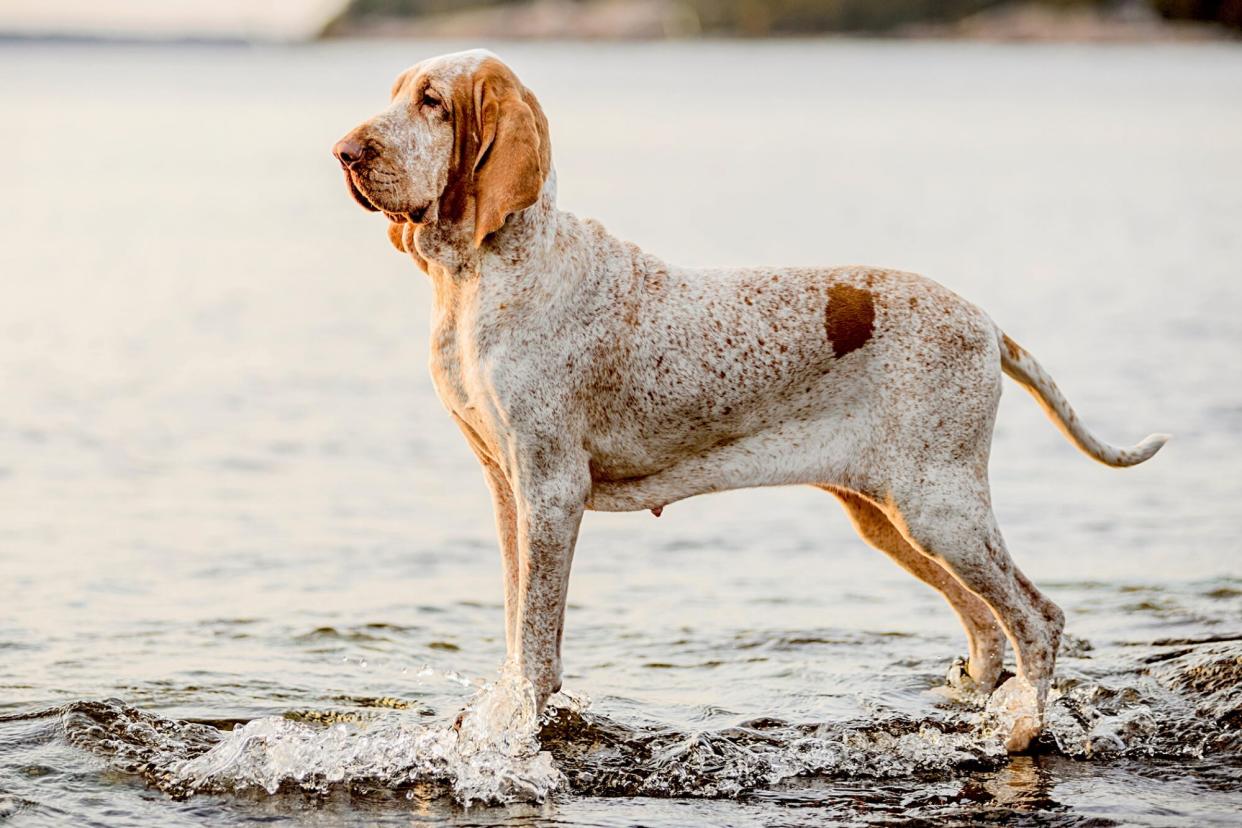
484,367
456,372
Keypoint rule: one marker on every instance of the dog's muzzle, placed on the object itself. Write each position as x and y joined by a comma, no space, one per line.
357,193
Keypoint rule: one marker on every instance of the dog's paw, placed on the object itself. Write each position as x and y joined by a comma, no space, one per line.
959,687
961,682
1024,731
958,677
1014,708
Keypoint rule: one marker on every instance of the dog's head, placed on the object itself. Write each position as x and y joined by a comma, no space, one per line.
462,142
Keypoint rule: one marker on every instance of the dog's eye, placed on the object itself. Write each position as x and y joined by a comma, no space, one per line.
430,99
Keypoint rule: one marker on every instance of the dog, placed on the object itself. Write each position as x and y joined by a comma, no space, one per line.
588,374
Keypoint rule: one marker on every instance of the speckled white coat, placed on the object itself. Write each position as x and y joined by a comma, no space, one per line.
587,374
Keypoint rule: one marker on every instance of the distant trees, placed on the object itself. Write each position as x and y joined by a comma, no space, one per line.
759,17
1228,12
763,17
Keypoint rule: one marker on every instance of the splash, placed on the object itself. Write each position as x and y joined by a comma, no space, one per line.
604,758
490,755
1176,701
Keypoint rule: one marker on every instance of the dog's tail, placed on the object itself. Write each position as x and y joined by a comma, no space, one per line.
1023,368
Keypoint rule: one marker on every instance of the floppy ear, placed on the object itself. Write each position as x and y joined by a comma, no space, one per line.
512,161
401,79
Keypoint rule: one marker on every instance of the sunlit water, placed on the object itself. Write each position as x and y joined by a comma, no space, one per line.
247,565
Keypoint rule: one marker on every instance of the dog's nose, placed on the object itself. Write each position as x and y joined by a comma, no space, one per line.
348,151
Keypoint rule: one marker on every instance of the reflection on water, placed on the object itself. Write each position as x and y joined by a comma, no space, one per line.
248,566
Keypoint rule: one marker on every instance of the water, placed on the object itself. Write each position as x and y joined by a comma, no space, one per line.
248,566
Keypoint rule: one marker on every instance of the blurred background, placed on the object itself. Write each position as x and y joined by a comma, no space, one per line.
626,19
228,492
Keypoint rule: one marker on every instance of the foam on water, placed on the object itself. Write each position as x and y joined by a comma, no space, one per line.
491,754
1183,702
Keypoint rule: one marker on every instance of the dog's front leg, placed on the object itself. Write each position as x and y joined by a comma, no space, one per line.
551,496
506,532
505,506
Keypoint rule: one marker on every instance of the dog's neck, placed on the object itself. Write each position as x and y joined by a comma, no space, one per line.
526,237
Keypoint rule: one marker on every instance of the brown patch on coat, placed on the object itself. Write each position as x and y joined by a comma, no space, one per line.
849,319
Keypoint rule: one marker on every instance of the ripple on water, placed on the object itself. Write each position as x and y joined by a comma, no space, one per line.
1185,705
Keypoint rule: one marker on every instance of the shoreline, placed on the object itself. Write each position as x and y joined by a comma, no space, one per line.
1025,21
647,20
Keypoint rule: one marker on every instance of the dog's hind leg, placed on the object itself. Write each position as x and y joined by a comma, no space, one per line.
950,519
984,636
